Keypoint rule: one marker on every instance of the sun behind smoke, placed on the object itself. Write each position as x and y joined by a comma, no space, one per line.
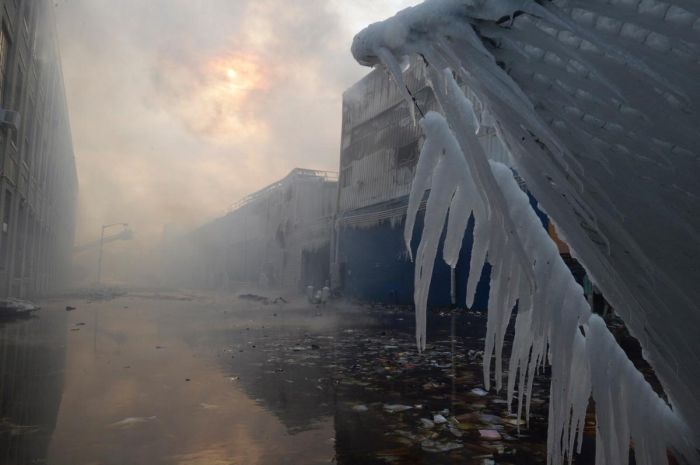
218,97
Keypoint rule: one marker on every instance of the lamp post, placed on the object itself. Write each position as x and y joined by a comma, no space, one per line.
102,238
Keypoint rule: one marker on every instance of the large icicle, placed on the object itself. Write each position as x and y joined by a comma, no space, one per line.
442,169
554,324
549,320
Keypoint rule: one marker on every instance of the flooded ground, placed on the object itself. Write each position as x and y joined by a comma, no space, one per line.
155,378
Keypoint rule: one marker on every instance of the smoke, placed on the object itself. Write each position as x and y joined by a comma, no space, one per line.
180,108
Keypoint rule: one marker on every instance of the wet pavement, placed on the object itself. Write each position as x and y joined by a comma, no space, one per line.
174,378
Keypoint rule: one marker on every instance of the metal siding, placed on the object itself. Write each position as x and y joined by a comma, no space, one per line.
377,267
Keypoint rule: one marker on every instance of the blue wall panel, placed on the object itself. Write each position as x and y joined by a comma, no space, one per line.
376,267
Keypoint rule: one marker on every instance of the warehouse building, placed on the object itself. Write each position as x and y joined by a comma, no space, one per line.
380,145
277,237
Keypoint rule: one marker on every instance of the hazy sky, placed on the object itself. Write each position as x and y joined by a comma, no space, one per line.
181,107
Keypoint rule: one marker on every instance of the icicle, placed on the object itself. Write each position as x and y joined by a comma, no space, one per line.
460,209
394,69
421,182
449,186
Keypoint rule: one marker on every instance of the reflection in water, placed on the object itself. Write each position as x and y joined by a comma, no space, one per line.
138,392
219,380
32,356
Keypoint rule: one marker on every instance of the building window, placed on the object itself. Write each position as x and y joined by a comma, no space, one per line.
17,98
4,52
346,176
28,131
5,231
407,156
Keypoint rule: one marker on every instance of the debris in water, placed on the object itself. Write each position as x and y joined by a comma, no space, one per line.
16,308
255,297
393,408
129,422
490,434
430,445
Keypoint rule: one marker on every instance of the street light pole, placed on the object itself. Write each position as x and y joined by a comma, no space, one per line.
102,239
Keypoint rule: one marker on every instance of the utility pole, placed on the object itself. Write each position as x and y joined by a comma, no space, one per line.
102,239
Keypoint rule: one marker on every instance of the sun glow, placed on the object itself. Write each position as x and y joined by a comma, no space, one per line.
236,75
222,97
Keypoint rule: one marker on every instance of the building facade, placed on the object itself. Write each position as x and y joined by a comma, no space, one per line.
278,237
380,145
38,179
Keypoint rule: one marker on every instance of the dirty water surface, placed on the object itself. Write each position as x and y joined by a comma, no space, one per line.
176,378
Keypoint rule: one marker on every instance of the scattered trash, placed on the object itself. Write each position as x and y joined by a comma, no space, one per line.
514,421
69,308
363,365
209,406
16,308
253,297
394,408
262,299
430,445
490,434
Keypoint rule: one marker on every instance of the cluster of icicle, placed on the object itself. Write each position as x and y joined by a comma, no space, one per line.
554,323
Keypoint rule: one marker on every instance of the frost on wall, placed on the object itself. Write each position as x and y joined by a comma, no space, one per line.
598,104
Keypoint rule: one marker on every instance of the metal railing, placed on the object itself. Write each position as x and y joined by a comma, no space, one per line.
295,174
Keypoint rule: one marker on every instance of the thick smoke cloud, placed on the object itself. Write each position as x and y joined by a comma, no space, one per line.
179,108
